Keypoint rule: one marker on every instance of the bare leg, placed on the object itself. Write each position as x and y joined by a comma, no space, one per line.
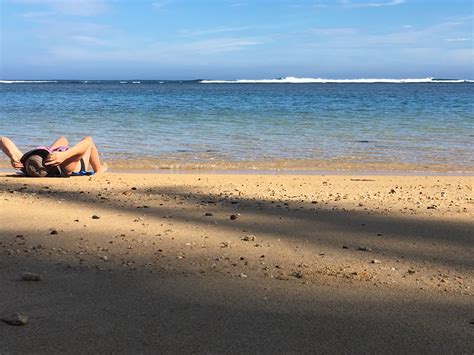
60,142
11,150
69,160
94,160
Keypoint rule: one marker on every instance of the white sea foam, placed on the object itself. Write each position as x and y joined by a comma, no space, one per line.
293,80
26,81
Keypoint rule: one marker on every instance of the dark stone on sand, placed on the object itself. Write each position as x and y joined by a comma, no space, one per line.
345,247
134,188
249,238
208,214
297,274
95,217
16,319
379,234
54,232
29,276
233,217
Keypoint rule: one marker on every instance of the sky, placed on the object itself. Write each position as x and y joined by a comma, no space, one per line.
236,39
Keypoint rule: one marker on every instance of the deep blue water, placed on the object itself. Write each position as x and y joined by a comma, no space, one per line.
396,123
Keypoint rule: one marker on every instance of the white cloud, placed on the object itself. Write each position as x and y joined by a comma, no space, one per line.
37,14
462,39
199,32
89,40
161,4
70,7
218,45
351,4
155,53
333,31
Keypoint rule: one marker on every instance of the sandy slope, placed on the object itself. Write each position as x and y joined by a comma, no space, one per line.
163,266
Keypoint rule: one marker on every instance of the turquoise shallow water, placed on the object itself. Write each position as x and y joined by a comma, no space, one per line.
416,123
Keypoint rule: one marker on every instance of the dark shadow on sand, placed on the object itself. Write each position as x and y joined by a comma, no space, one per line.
391,236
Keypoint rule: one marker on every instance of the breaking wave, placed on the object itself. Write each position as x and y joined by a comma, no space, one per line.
294,80
27,81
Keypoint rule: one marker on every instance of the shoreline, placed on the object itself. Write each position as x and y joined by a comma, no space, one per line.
277,167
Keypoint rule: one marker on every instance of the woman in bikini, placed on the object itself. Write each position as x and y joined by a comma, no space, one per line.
81,157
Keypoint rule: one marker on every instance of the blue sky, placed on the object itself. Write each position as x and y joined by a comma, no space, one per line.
236,39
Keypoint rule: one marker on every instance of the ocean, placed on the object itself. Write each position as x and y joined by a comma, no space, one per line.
411,123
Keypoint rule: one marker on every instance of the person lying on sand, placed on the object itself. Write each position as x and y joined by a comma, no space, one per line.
55,160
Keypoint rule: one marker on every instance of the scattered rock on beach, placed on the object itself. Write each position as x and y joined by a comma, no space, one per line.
29,276
297,274
249,238
208,214
16,319
54,232
95,217
233,217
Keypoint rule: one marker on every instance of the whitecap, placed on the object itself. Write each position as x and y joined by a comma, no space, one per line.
295,80
27,81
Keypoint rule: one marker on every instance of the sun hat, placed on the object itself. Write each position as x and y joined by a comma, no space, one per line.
33,163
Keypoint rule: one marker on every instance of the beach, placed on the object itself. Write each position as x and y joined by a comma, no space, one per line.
231,262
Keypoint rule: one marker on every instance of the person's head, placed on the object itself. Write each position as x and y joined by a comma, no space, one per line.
33,163
34,166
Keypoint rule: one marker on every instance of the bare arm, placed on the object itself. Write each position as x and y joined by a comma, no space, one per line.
74,154
11,150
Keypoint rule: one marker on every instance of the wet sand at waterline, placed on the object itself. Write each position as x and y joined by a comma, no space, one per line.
237,263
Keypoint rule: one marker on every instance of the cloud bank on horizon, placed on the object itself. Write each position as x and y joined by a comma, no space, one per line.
236,39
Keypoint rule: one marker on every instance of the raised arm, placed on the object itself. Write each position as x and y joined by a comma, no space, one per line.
11,150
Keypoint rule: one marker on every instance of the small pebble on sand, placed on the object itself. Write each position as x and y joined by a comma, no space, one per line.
95,217
249,238
29,276
16,319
